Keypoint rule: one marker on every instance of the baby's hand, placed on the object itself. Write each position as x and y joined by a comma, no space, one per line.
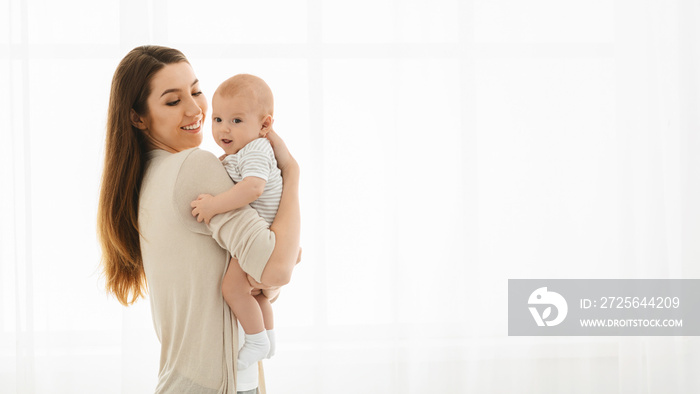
203,208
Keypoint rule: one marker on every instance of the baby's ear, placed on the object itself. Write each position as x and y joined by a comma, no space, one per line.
266,125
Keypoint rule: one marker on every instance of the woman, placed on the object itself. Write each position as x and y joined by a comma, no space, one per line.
152,171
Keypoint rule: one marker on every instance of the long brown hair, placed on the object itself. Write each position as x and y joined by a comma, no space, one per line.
125,150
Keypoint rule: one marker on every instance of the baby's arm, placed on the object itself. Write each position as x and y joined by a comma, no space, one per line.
240,195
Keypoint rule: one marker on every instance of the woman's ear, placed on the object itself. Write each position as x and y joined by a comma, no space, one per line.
137,121
266,125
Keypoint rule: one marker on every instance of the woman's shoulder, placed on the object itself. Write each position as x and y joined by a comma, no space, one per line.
198,157
200,172
201,167
189,157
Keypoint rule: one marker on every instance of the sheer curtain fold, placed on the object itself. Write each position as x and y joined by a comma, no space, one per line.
446,147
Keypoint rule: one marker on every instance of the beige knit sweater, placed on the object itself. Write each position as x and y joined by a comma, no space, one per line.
185,262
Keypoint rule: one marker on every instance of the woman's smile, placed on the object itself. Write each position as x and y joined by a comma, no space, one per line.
194,127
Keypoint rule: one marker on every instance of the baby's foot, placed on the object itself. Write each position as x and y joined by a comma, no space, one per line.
256,347
271,336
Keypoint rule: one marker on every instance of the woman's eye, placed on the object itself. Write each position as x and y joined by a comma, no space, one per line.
195,94
173,103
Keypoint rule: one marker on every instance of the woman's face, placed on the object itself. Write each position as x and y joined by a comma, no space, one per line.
176,109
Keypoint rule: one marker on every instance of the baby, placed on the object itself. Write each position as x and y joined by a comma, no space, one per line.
242,109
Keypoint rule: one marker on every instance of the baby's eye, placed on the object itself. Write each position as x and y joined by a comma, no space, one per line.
217,119
237,120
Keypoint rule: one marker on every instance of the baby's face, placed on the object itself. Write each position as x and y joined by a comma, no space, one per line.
235,122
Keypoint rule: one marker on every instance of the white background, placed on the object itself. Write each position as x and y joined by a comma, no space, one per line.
446,146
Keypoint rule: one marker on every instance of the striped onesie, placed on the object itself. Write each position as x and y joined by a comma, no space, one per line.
258,159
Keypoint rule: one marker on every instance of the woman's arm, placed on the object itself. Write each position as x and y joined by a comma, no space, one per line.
287,223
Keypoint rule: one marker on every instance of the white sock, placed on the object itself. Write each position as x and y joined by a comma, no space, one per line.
271,336
255,348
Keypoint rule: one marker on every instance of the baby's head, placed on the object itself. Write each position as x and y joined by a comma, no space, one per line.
242,109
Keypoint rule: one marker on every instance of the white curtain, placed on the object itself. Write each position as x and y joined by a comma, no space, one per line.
446,147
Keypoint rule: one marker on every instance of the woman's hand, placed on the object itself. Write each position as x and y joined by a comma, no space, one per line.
259,286
282,155
271,292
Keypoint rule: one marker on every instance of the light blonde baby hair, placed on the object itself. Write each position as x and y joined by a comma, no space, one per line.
252,86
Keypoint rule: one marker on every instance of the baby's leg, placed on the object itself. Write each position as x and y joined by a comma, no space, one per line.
236,291
268,319
266,309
